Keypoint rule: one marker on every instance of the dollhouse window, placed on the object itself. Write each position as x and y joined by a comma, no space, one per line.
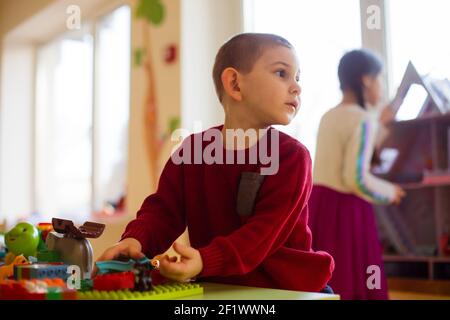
413,103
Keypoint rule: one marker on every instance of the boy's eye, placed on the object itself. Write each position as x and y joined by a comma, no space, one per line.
281,73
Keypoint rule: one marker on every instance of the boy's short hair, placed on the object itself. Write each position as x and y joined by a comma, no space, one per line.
241,53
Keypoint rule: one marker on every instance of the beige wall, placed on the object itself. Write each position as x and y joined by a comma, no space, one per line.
13,12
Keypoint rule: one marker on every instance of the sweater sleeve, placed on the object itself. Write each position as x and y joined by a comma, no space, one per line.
161,218
312,269
281,201
357,175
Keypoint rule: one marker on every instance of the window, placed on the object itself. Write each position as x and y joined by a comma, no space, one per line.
320,37
112,107
63,126
418,32
82,112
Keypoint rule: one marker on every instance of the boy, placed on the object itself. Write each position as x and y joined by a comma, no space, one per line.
246,226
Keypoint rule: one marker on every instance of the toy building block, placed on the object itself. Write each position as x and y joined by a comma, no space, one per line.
143,278
3,226
141,268
42,289
2,248
109,266
71,243
159,292
45,229
86,285
15,290
48,256
7,271
114,281
41,271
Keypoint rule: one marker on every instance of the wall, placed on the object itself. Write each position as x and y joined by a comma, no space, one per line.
12,13
205,26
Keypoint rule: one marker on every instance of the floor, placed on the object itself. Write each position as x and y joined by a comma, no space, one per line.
403,295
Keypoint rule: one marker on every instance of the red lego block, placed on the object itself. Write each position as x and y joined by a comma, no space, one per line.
114,281
45,229
15,290
69,295
18,290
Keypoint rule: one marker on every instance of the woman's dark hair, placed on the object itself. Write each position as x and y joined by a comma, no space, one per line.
353,66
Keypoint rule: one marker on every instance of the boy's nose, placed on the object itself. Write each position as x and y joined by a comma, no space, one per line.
296,89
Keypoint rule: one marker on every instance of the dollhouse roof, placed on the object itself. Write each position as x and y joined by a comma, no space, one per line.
421,95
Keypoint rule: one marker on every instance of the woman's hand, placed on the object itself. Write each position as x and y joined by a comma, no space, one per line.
387,115
399,194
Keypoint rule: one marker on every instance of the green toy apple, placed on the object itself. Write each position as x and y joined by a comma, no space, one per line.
23,239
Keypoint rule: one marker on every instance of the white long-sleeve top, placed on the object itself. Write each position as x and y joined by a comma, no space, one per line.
345,145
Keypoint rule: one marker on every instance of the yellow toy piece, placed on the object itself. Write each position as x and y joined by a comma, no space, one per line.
8,270
9,258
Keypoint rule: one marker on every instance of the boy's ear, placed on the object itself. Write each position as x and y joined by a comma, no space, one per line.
230,82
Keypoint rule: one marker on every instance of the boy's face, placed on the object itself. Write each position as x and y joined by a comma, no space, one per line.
271,90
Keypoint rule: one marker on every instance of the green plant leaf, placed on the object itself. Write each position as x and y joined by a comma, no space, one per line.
151,10
174,123
138,56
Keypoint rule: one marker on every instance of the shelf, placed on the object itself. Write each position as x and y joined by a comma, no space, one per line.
429,181
413,231
419,185
417,267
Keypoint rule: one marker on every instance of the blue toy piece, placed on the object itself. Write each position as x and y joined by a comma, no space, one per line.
114,266
120,266
40,271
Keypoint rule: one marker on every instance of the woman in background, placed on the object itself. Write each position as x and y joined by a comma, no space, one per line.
342,218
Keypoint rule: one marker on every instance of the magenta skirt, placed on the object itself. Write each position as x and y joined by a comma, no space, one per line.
344,226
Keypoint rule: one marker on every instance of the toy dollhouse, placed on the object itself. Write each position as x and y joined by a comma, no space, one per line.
416,155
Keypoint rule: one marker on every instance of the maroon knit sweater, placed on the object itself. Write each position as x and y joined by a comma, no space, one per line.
268,247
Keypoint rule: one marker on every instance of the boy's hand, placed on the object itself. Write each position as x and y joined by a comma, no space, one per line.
188,267
128,247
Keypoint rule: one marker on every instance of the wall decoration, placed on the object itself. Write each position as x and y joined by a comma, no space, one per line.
153,13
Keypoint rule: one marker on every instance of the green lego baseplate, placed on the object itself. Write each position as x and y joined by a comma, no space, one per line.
159,292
